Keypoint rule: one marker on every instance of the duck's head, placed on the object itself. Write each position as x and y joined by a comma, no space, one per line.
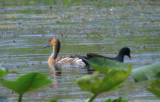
125,51
55,44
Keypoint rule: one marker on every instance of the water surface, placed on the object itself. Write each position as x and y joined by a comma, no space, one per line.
101,27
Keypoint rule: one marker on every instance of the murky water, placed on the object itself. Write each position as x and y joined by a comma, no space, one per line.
101,27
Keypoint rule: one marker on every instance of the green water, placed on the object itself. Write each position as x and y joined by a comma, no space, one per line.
98,26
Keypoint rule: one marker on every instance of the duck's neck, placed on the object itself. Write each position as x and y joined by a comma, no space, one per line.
120,57
53,55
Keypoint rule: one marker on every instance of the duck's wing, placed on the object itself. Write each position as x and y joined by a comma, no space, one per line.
84,58
90,55
72,59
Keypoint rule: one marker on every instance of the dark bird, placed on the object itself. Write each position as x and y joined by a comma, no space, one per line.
120,57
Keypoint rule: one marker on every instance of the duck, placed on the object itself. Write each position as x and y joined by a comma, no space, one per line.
125,51
53,60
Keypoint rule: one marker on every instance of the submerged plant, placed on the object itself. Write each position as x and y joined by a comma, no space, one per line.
113,77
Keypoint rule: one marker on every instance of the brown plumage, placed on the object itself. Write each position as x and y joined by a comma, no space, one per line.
55,44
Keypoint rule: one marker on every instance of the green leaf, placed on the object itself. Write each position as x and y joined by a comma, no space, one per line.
117,100
54,100
120,100
146,72
155,87
109,82
103,65
27,82
114,74
3,72
108,100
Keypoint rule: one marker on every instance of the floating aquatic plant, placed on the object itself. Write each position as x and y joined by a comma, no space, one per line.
25,83
146,72
155,87
117,100
3,72
113,77
103,65
139,74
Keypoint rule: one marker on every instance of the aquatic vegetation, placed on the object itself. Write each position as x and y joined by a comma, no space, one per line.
8,26
113,77
25,83
103,65
146,72
139,74
53,100
155,88
151,30
117,100
97,26
4,72
108,76
114,74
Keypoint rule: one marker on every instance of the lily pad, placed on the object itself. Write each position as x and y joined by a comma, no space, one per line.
103,65
109,82
155,87
117,100
146,72
4,72
114,74
27,82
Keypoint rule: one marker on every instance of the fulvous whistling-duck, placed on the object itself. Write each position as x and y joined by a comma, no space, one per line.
55,44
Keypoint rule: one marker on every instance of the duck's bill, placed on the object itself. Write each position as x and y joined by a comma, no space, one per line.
47,45
129,56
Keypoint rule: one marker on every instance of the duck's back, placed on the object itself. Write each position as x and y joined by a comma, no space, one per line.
71,60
